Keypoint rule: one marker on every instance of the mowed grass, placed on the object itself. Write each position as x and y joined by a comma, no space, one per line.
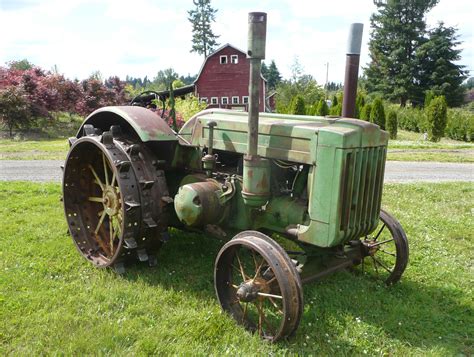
47,149
411,146
54,302
459,156
411,140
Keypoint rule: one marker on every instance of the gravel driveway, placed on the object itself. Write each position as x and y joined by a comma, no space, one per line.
396,171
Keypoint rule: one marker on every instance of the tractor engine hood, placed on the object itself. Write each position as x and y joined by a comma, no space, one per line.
286,137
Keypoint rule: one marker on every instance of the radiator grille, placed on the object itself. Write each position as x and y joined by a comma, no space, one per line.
361,188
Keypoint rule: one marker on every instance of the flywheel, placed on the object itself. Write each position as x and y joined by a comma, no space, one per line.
115,198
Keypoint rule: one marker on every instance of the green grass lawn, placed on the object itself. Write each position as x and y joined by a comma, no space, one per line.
410,146
54,302
47,149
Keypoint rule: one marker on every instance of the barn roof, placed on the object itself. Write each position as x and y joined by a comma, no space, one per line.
215,52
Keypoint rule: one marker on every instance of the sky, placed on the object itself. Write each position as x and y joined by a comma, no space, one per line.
140,37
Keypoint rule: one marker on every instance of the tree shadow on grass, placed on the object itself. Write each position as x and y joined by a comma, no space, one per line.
415,314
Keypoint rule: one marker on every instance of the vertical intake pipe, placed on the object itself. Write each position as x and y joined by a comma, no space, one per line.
352,70
257,33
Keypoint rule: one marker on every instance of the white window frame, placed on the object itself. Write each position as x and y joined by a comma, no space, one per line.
245,99
223,59
234,59
203,100
235,100
226,99
214,100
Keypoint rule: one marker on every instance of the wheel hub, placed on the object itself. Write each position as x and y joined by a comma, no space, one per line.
111,201
248,291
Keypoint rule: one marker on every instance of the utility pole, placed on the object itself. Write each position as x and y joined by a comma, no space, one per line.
327,76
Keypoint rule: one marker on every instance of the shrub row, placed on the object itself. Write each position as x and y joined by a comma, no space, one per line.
459,126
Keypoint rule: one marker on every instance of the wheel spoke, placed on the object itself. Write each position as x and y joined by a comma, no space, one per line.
106,174
375,265
380,231
271,280
258,269
254,259
241,267
118,228
270,295
262,319
382,265
275,305
380,243
96,199
101,244
111,229
101,220
97,179
112,182
384,251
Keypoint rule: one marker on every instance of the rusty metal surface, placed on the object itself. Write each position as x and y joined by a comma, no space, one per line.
197,204
87,191
252,269
352,70
134,120
350,85
114,199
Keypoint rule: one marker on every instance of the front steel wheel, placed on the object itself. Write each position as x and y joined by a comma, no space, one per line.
386,250
258,285
114,199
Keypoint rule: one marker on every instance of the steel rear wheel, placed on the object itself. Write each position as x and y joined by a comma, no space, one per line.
112,212
386,250
258,285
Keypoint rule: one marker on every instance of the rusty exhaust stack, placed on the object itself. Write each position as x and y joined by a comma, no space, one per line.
352,70
256,173
257,33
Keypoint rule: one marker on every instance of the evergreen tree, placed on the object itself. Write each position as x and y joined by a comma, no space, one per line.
273,76
365,112
336,105
298,105
360,102
322,108
336,109
201,17
377,114
264,71
437,58
436,118
469,83
164,78
429,96
392,124
398,30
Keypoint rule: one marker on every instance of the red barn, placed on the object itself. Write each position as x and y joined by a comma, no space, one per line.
223,80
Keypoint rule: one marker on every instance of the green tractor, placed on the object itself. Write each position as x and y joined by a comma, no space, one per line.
313,184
